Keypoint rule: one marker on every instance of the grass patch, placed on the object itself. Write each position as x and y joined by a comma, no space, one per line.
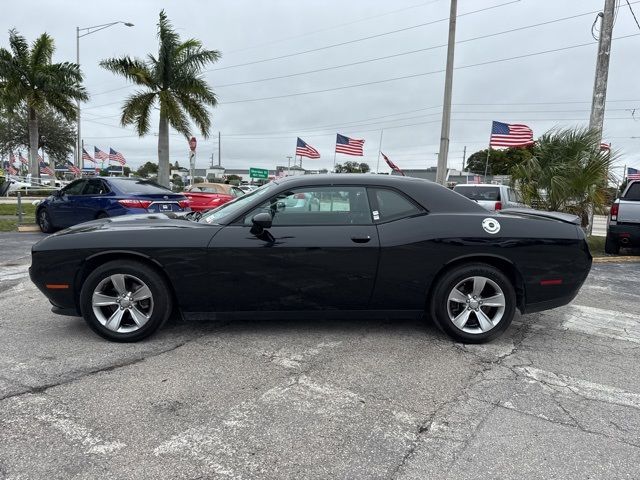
596,245
12,208
12,225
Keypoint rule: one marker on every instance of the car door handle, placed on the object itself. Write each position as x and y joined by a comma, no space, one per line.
361,239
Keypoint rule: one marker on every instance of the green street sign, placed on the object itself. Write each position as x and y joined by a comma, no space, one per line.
258,173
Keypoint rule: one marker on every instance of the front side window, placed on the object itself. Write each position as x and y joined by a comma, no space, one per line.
74,188
391,205
317,206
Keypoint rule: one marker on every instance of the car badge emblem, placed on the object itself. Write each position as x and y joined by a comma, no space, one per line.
491,225
165,197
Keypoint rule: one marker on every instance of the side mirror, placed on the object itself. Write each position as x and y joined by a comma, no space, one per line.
262,220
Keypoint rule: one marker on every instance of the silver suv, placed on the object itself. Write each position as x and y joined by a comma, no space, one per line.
491,197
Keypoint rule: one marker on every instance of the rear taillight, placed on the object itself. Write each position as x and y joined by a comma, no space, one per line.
498,206
134,203
184,203
614,211
215,200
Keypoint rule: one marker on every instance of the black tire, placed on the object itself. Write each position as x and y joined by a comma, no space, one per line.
611,246
441,306
160,300
44,221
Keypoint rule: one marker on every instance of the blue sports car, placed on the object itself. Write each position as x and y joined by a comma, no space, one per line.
90,198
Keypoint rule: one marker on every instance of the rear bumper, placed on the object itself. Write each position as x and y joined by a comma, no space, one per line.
626,234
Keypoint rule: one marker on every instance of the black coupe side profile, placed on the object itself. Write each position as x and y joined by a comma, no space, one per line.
325,245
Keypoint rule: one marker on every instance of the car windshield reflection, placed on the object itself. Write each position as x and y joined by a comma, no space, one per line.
230,209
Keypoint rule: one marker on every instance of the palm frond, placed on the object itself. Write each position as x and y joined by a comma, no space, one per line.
171,110
42,51
19,46
197,112
137,111
133,69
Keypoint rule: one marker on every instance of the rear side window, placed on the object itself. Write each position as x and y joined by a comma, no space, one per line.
633,193
490,194
95,187
140,187
391,205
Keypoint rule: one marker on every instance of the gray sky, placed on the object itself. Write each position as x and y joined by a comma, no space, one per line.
262,133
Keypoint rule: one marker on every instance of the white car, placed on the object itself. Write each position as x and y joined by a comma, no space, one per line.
16,184
491,197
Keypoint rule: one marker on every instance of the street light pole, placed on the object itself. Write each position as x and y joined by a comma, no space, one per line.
87,31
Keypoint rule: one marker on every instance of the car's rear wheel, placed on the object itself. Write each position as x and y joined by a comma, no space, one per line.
125,301
474,303
44,221
611,246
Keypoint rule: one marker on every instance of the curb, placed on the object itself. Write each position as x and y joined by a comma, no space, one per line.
620,259
28,227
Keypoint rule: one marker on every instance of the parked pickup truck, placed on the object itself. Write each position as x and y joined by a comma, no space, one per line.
623,225
492,197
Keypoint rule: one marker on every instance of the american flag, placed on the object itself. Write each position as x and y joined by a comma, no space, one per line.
510,135
605,147
475,179
116,157
86,156
349,146
72,168
23,160
44,168
303,149
12,158
393,166
99,154
40,159
9,167
633,173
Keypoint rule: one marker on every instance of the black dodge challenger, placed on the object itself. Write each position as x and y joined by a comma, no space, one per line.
323,245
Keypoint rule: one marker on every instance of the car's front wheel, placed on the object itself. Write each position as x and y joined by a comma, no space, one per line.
44,221
474,303
125,301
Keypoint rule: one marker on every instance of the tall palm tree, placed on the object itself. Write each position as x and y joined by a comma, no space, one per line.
568,172
29,78
173,80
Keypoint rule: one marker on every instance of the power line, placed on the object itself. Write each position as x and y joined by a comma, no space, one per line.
415,75
391,32
408,52
632,13
306,34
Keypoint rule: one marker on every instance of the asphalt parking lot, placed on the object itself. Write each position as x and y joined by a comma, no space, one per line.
558,396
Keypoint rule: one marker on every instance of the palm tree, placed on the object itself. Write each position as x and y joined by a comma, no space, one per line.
28,78
568,172
174,81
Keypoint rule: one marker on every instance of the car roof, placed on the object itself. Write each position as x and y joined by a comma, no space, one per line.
432,196
479,185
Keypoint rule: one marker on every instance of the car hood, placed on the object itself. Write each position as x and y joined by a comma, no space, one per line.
143,221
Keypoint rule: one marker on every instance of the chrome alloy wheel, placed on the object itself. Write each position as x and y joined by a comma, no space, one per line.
476,305
122,303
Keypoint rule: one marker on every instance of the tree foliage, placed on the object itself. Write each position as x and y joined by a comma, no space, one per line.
172,80
29,79
147,170
352,167
567,172
501,162
56,134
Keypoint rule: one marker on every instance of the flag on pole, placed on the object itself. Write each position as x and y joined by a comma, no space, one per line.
393,166
510,135
40,159
72,168
86,156
23,160
10,168
303,149
475,179
100,155
12,159
633,173
349,146
46,169
116,157
605,147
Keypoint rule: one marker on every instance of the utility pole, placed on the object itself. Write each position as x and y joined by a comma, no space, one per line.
219,150
464,158
289,157
441,173
602,68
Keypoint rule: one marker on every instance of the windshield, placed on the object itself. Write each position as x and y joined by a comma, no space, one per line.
231,209
139,187
479,193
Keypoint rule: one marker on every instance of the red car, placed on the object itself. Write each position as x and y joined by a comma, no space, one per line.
207,196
